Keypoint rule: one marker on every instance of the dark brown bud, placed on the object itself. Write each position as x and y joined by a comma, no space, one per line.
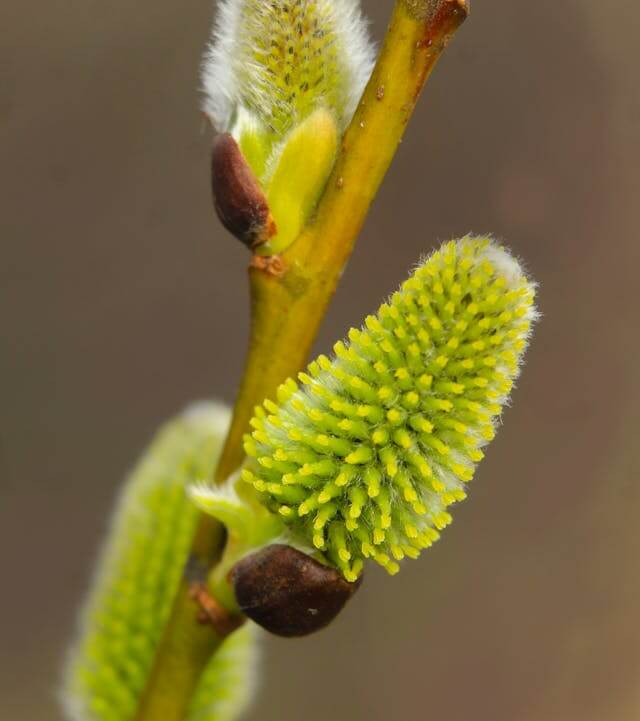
238,198
289,593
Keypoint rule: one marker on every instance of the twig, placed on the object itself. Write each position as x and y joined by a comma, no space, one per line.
288,306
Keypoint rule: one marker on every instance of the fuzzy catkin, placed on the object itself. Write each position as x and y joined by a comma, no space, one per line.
278,61
229,681
137,576
364,456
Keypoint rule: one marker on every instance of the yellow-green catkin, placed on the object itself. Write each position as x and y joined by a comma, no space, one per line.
291,60
283,78
272,64
229,681
364,456
137,576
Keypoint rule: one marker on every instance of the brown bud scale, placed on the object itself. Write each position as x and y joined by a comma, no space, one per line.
239,200
289,593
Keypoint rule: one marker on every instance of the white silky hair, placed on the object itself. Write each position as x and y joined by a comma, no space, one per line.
510,268
224,59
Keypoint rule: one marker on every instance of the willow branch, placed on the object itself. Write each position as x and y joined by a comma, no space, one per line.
290,295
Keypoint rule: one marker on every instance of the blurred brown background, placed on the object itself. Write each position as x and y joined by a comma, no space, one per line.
122,299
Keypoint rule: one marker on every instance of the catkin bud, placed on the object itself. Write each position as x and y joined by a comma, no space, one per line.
364,456
283,79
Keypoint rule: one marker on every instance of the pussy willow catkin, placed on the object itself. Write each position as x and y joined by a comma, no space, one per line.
274,63
364,456
281,81
136,579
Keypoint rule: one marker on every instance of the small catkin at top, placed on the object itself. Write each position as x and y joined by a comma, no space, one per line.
279,61
364,456
282,79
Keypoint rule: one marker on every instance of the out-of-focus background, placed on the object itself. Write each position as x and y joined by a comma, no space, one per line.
121,298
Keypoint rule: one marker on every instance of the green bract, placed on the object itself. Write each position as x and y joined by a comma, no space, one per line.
136,580
364,457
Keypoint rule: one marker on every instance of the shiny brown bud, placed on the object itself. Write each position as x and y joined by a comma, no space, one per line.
238,198
289,593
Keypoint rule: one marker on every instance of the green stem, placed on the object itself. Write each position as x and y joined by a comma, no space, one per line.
186,650
290,295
